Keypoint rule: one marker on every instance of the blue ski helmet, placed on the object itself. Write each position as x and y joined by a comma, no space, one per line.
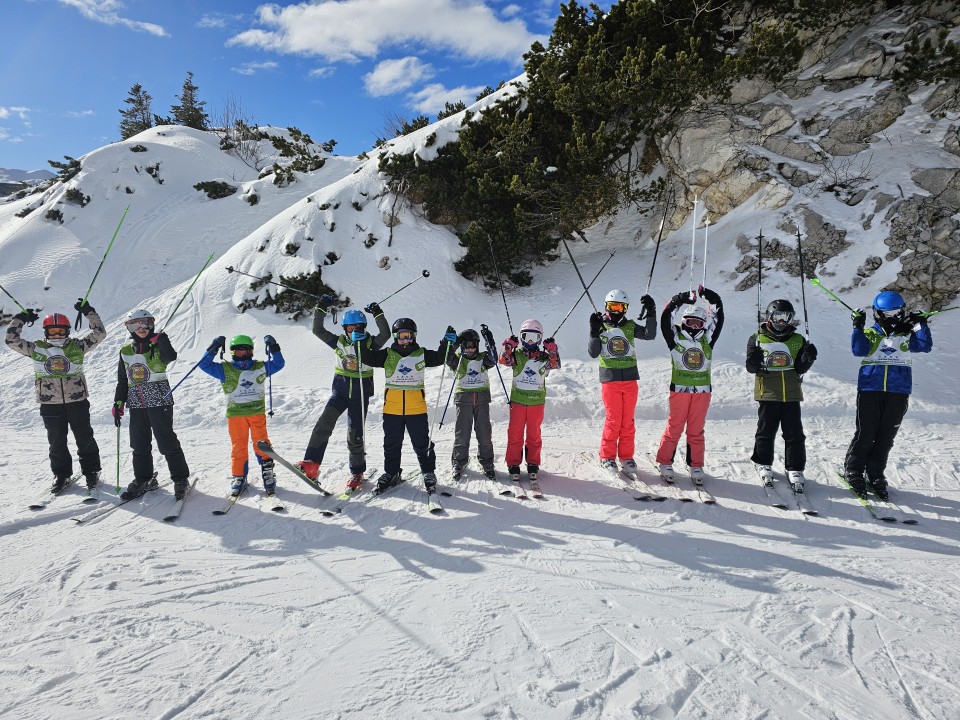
889,301
353,317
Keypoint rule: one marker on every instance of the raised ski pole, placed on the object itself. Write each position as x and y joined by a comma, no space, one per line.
931,313
269,380
83,300
582,294
656,251
493,256
487,336
22,308
759,279
816,281
586,288
177,307
231,269
421,276
706,247
693,240
803,291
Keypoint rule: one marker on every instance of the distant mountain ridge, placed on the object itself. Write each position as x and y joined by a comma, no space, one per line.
10,179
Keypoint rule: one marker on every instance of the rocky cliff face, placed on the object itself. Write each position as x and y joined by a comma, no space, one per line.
838,131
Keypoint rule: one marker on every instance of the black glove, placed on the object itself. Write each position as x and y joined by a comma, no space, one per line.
596,325
83,307
859,318
374,309
27,316
271,343
710,296
809,353
914,318
755,356
648,307
325,301
217,344
682,299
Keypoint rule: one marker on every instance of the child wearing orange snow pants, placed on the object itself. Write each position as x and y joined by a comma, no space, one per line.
245,429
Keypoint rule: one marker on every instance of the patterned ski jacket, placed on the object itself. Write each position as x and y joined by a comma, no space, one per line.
58,370
142,372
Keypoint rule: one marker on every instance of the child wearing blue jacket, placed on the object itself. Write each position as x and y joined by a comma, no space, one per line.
884,385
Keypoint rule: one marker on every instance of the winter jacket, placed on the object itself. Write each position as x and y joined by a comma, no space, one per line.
403,367
616,347
691,358
470,377
886,364
530,370
778,378
141,374
59,371
343,346
243,381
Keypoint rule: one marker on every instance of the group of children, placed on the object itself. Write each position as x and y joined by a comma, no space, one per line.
776,354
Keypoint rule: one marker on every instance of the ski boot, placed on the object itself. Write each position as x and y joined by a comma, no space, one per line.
309,468
609,465
269,478
490,472
138,488
430,482
666,472
796,480
629,467
385,482
857,483
238,484
696,474
879,485
457,472
514,471
59,484
766,475
355,481
180,488
532,471
92,480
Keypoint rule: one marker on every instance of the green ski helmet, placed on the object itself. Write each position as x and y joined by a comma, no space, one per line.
241,341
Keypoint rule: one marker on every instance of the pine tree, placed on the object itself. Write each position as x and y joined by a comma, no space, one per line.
190,110
137,116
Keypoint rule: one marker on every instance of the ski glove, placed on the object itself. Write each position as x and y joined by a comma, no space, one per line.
550,345
913,318
684,298
83,307
511,343
755,357
648,305
374,309
710,296
357,335
596,325
272,345
859,318
27,316
809,353
217,344
451,335
117,412
487,336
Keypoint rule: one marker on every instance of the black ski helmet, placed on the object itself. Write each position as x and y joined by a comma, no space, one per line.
403,324
780,314
470,334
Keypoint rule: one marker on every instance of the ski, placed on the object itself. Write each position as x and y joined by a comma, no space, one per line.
433,503
803,502
272,502
348,493
108,507
877,514
91,496
673,490
230,500
535,490
178,504
519,491
265,448
640,488
47,497
773,497
374,495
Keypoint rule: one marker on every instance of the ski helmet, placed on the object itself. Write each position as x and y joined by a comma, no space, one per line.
619,296
353,317
241,341
780,314
404,325
616,304
889,308
472,337
56,320
530,333
139,319
694,320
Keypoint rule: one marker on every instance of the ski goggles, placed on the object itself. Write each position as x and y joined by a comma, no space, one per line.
694,323
242,353
530,337
471,345
360,327
617,307
779,318
404,337
139,324
56,331
897,314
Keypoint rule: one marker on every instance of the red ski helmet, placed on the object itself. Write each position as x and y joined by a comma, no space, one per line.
56,320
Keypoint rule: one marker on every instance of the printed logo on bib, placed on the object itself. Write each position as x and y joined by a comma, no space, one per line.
693,359
404,370
618,346
887,348
778,359
138,373
349,363
57,365
472,375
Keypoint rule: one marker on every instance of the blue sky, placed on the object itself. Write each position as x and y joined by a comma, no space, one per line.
336,69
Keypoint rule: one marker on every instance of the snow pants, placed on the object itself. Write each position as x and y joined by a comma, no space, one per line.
879,415
75,416
525,420
772,415
472,416
690,410
347,396
619,428
418,428
245,429
158,422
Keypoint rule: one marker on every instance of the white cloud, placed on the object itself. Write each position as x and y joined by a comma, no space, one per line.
80,113
252,67
20,112
393,76
347,31
511,11
322,72
106,12
433,98
4,134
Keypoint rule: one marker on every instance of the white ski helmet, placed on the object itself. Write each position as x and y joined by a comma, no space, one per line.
694,320
617,296
139,319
